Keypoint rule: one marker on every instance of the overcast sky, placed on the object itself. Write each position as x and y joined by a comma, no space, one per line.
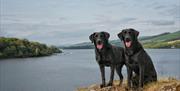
60,22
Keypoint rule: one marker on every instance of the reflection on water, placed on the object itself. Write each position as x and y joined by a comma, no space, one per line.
71,69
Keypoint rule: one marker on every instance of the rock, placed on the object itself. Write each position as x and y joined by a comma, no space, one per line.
161,85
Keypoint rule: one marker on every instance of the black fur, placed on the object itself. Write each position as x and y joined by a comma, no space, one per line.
108,56
137,60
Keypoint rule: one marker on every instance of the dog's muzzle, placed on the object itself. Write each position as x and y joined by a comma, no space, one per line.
128,42
99,45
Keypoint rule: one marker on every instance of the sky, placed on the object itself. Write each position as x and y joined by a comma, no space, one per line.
64,22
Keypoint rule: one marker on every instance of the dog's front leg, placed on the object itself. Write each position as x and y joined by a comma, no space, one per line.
111,76
119,72
102,69
129,78
141,77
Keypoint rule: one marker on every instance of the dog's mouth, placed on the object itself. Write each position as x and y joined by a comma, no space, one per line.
99,46
128,43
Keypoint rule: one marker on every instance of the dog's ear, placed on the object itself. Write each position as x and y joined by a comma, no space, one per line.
91,37
135,32
107,35
120,35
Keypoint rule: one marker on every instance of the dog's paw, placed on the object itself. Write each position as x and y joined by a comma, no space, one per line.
120,83
102,85
127,88
139,89
110,84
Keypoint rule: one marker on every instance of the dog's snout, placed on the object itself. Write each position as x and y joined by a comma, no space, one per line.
99,42
127,39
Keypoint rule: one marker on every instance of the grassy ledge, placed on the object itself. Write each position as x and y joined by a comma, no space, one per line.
164,84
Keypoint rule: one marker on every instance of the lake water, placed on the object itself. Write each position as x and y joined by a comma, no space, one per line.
72,69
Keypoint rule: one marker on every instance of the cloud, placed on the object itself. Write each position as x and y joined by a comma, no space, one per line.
161,22
160,7
74,32
128,19
110,3
69,21
108,19
171,9
2,33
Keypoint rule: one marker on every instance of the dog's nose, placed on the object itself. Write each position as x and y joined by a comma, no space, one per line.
99,42
128,39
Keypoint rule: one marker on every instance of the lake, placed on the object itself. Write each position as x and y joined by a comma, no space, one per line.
72,69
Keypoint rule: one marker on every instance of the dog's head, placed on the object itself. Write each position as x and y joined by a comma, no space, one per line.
100,39
128,36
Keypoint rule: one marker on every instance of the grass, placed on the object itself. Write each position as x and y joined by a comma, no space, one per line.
170,36
164,44
164,84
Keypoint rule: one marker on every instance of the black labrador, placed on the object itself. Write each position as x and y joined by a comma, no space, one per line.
107,55
137,60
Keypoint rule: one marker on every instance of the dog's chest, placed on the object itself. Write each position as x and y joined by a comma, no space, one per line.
131,61
106,59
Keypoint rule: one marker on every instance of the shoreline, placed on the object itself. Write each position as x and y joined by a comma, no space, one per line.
30,56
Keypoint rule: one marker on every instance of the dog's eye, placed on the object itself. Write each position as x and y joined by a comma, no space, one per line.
125,32
129,32
101,36
96,36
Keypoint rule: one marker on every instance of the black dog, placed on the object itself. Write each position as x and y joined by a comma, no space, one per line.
137,60
107,55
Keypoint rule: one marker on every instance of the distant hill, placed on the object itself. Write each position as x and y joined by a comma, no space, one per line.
13,47
164,40
162,37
